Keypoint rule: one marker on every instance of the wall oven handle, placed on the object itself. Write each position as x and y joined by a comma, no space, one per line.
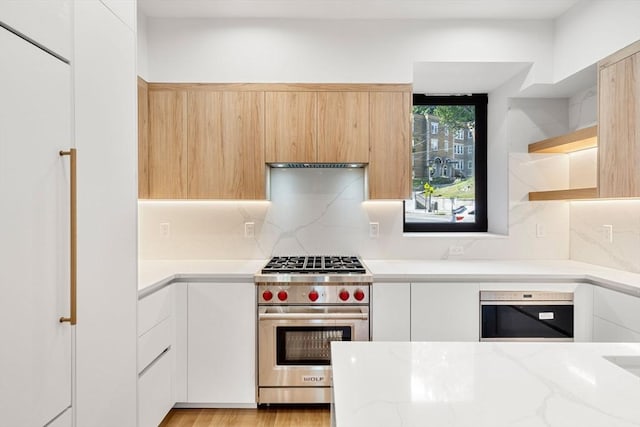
313,316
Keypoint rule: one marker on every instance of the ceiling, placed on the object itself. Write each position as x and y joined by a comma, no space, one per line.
358,9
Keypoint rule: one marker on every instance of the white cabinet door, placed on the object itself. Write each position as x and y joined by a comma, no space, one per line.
445,312
35,124
47,22
222,343
106,139
616,316
64,420
607,331
391,312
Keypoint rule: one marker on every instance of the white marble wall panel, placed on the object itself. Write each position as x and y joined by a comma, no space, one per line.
589,235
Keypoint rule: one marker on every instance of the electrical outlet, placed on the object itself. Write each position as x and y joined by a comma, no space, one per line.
540,230
607,233
249,229
374,230
456,250
165,229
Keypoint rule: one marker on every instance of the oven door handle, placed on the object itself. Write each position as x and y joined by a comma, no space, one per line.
313,316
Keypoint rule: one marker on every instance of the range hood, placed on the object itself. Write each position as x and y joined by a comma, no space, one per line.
317,165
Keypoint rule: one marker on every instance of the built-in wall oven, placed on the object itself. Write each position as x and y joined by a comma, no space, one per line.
526,316
299,315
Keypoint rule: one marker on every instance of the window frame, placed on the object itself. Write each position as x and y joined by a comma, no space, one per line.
479,101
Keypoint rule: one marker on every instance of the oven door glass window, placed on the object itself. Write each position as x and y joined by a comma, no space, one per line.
527,321
308,345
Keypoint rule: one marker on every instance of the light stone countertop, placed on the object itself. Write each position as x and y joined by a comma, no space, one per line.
472,384
153,275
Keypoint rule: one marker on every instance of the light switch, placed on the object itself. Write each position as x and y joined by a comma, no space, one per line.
249,229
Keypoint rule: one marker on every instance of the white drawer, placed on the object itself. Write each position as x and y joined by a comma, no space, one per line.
618,308
155,392
153,309
153,343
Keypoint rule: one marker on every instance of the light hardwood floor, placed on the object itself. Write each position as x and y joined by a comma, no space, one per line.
262,417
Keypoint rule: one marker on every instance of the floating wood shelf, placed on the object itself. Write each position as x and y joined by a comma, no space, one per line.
571,194
574,141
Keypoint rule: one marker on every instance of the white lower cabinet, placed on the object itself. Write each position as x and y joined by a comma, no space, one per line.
445,312
221,344
391,312
616,316
156,356
155,390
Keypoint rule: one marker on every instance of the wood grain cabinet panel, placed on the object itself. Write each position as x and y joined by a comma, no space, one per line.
167,144
291,127
619,127
143,139
226,145
343,127
390,146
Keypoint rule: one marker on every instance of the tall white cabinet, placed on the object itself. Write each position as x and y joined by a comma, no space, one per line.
68,79
105,96
35,124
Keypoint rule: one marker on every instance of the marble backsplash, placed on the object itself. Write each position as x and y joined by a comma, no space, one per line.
323,211
607,233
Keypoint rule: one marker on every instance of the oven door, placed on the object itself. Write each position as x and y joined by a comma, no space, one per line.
294,343
526,321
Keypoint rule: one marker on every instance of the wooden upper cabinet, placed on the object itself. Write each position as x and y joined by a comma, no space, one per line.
390,144
343,127
291,127
226,145
143,139
167,144
619,124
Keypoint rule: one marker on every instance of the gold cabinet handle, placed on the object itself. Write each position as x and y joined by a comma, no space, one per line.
73,238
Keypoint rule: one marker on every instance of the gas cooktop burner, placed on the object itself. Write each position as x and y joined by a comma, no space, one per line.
314,265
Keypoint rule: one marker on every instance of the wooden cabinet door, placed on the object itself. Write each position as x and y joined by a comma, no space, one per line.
343,127
167,144
143,139
226,145
619,128
390,145
291,127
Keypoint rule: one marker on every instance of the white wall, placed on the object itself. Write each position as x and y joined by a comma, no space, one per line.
592,30
142,48
232,50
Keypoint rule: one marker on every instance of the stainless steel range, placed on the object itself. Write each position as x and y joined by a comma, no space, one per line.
304,303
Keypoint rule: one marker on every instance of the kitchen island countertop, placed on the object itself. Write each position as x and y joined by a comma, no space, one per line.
471,384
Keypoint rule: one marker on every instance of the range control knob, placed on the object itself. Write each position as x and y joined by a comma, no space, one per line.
282,295
267,295
344,295
359,294
313,295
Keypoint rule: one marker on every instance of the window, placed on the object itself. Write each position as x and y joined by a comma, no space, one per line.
434,127
441,183
446,131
